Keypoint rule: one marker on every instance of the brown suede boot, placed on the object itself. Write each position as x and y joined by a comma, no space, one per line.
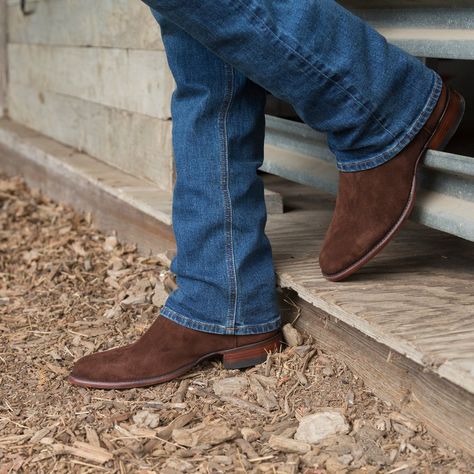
166,351
372,205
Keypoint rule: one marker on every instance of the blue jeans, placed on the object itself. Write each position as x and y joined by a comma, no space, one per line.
341,77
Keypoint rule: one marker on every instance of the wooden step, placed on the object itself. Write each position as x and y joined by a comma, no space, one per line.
404,323
409,314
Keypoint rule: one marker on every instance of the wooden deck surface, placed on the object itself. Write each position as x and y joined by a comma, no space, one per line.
417,297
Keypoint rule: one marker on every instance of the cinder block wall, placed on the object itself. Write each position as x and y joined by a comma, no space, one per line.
93,74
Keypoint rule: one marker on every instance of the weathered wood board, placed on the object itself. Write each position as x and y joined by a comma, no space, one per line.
444,408
123,24
416,297
119,202
94,76
134,80
135,143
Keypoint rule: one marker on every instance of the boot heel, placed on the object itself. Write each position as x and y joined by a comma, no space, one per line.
449,123
248,356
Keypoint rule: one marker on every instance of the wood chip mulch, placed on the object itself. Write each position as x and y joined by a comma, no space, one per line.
67,290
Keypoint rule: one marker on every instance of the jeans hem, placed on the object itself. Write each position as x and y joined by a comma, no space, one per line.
192,323
394,149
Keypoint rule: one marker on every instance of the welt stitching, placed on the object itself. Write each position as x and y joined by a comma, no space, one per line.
315,67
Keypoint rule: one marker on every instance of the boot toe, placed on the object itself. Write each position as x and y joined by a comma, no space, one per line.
99,368
330,260
338,254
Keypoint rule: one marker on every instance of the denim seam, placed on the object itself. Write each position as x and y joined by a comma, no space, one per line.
316,68
416,126
224,162
191,323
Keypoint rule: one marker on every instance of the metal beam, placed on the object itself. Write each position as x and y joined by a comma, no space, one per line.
445,201
426,31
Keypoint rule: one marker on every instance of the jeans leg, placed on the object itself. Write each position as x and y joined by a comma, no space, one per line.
225,275
341,76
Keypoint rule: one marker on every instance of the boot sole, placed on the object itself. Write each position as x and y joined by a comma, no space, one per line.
444,131
237,358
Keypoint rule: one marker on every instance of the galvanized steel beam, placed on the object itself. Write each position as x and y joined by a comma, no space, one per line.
426,31
445,202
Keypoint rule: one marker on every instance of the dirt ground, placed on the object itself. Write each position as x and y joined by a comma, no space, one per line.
66,290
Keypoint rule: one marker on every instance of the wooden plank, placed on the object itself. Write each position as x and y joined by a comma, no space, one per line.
52,154
445,408
133,80
126,24
113,215
273,202
416,297
137,211
3,57
135,143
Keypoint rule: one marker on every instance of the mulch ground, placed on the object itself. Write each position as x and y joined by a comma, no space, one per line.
67,290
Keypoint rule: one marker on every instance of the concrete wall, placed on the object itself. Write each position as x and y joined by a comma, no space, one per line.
93,75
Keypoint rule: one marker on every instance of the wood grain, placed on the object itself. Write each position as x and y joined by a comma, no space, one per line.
123,24
416,297
132,80
444,408
135,143
138,212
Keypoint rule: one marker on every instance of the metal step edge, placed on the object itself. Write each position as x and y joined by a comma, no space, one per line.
299,137
436,210
426,31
